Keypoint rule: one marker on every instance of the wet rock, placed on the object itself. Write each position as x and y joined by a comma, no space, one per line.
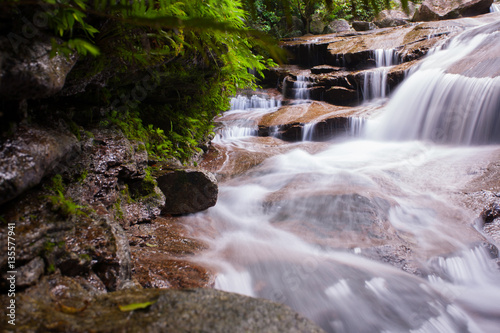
29,274
27,71
391,18
363,26
341,96
353,50
78,230
324,69
30,155
317,26
484,61
160,253
227,161
434,10
491,213
337,26
399,256
66,305
187,191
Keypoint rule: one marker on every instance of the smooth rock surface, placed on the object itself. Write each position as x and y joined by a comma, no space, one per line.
68,305
391,18
434,10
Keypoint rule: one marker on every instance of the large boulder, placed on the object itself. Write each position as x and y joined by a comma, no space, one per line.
337,26
30,155
62,304
187,191
363,26
391,18
27,71
317,26
434,10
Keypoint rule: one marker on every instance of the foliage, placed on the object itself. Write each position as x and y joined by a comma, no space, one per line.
65,206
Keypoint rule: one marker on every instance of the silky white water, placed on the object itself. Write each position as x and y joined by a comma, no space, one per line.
366,235
375,80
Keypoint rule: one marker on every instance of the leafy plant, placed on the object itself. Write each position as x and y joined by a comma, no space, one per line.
65,206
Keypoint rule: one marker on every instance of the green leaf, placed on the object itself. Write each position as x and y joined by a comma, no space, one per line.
135,306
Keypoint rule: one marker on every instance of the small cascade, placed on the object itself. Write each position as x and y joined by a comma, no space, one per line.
245,127
432,104
495,7
307,131
234,132
300,87
242,102
375,81
356,126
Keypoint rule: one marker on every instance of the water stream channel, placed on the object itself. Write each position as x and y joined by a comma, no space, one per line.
365,232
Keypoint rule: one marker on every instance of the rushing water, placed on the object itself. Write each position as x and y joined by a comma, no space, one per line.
375,80
363,236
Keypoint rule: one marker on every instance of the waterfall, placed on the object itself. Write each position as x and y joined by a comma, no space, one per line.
307,131
495,7
375,81
356,126
300,87
433,104
253,105
371,235
242,102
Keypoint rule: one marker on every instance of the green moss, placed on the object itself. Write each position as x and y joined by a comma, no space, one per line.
81,178
51,268
75,129
85,257
60,204
49,246
118,209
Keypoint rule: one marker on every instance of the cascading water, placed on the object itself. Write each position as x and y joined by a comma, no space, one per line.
364,236
495,7
241,128
300,87
434,104
375,81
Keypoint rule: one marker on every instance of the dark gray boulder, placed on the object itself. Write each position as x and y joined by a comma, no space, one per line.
187,191
30,155
363,26
27,71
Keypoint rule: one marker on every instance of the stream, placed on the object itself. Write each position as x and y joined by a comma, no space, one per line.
364,232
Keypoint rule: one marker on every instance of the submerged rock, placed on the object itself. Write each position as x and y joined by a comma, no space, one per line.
187,191
434,10
68,305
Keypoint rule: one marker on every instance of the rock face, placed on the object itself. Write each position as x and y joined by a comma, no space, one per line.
188,191
27,71
68,305
32,154
434,10
391,18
